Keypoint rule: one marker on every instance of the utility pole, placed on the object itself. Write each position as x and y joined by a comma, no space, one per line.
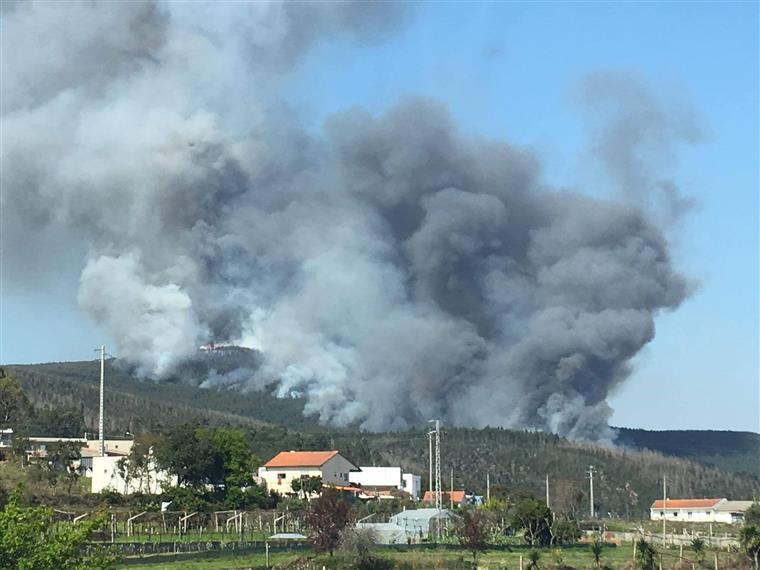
438,486
547,491
591,472
488,487
430,457
664,506
101,435
451,493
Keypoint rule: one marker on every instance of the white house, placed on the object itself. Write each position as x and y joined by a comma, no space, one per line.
107,475
699,510
383,480
279,472
6,438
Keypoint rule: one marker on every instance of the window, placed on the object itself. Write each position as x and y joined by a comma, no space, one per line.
281,475
689,514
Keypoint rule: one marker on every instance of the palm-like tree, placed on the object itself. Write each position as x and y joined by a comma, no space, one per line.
533,557
749,538
596,551
698,546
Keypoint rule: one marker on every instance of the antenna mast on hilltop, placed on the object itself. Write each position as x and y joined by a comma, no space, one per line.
101,436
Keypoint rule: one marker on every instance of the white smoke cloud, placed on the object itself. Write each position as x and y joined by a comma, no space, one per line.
154,324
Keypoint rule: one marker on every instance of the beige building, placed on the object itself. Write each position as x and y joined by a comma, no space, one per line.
38,445
279,472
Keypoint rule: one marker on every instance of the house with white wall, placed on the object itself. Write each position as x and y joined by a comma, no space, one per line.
107,475
382,481
699,510
279,472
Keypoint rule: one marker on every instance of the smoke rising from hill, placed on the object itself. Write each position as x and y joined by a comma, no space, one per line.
391,271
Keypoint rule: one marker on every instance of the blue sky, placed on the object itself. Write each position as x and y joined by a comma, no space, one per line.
512,70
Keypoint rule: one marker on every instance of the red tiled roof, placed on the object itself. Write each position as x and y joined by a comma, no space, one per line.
300,459
458,496
686,503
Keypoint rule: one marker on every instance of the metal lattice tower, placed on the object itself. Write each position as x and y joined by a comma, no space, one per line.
101,434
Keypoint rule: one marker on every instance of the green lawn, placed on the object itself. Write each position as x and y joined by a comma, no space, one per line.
212,562
428,559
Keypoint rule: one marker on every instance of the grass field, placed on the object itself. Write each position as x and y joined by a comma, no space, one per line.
615,557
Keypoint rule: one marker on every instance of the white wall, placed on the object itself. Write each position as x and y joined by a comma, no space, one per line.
684,515
378,477
412,485
105,475
336,471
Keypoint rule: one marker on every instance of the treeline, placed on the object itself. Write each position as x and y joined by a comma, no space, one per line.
728,450
144,405
626,480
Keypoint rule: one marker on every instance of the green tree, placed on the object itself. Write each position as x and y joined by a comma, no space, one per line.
749,538
307,486
238,461
139,464
14,405
194,460
749,535
357,545
56,422
30,541
596,551
564,531
58,464
326,518
534,518
534,556
698,546
752,515
645,555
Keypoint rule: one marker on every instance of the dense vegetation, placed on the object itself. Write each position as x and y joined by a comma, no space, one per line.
627,481
731,451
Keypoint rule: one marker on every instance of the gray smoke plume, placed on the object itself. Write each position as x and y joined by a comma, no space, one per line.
391,271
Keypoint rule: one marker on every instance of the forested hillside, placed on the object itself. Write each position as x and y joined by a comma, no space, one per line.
737,451
144,405
627,480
